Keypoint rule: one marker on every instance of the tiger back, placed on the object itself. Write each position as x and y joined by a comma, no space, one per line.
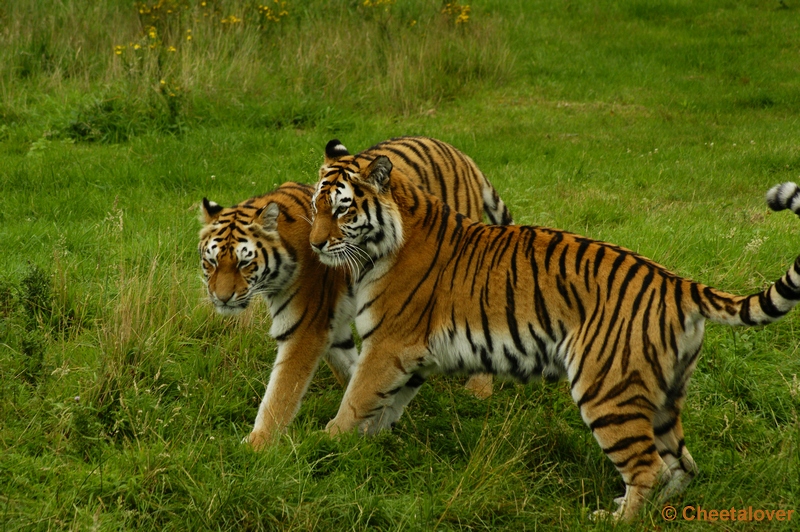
260,248
446,294
443,171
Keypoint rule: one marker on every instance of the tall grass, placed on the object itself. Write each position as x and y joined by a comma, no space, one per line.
129,67
123,397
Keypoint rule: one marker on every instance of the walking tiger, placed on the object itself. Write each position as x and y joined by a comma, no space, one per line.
437,292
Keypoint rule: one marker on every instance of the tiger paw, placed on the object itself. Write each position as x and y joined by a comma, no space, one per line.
480,385
336,427
257,440
332,428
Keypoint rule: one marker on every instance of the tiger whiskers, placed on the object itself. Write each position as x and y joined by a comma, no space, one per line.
263,290
357,256
361,252
258,292
352,262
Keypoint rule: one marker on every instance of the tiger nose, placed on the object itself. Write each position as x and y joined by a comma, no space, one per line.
223,297
317,246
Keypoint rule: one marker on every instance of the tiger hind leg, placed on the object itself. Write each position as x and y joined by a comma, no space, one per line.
627,440
672,448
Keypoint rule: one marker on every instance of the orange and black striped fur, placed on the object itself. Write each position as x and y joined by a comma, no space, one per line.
441,293
260,247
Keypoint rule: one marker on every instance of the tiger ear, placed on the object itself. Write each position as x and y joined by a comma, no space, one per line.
377,173
334,151
268,215
209,211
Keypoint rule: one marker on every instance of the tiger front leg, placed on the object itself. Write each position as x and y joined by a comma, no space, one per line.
291,374
378,392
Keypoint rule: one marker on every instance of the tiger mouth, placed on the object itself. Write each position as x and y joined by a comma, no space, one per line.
227,310
230,308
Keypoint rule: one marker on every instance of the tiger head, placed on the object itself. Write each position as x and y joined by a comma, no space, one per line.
242,254
356,220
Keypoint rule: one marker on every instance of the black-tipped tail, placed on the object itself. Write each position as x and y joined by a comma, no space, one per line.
774,302
784,196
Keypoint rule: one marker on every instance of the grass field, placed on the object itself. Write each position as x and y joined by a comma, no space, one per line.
123,397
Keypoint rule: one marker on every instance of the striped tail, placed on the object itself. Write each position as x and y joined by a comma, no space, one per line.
784,196
769,305
493,206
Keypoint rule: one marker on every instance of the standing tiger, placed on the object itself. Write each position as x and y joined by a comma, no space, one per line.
441,293
260,247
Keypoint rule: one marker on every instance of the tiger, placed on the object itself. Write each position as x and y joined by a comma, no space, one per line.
440,293
260,247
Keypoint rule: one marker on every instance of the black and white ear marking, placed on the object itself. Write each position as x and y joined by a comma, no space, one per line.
784,196
209,211
269,216
334,151
378,172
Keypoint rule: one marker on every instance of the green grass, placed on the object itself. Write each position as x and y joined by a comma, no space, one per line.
123,397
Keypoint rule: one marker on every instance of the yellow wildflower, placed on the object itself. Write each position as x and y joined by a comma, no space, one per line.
463,17
118,49
461,12
172,49
273,15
